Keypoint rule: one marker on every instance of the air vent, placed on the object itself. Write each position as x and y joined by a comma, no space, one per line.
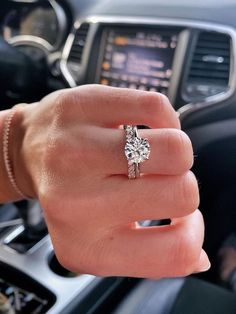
210,66
78,45
211,59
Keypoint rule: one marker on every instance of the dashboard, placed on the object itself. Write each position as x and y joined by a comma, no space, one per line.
182,49
137,58
190,60
42,24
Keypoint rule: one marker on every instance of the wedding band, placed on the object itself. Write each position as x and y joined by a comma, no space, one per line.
137,150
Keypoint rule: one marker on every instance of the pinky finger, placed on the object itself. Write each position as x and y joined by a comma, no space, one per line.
156,252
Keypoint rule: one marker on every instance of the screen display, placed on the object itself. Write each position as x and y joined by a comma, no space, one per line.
138,59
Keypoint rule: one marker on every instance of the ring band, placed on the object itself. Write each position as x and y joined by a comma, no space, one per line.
137,150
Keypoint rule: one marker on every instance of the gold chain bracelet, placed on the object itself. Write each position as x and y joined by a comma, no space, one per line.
6,155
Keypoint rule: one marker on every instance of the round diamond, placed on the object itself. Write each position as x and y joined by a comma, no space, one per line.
137,150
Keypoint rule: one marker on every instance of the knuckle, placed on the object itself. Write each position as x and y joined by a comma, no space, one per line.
62,99
180,148
67,105
175,142
59,108
189,194
64,96
153,104
55,147
186,255
186,151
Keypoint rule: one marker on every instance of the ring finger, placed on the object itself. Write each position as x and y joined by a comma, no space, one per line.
171,151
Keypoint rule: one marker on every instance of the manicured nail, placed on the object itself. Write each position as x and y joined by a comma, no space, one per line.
204,263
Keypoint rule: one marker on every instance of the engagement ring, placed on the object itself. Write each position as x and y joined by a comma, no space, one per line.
137,150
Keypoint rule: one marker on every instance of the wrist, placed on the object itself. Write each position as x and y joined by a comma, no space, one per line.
18,151
7,192
17,180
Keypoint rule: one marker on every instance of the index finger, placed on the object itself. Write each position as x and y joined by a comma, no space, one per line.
111,107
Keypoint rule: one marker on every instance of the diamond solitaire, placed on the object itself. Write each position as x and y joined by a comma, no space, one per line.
137,150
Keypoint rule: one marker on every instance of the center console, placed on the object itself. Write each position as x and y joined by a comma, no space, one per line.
31,279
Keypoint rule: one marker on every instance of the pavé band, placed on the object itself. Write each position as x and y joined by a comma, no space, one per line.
137,150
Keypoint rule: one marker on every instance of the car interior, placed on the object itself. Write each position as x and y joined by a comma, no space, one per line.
181,48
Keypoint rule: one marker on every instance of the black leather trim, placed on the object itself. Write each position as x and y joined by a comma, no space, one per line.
152,297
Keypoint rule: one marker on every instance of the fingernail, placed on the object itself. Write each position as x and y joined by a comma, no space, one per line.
204,263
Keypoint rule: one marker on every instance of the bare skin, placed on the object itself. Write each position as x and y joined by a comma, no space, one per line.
67,151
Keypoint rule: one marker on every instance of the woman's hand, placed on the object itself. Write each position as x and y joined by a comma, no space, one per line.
69,153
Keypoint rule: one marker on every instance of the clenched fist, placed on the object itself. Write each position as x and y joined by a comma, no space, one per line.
68,151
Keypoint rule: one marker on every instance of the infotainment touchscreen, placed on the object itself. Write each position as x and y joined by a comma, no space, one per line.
138,59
